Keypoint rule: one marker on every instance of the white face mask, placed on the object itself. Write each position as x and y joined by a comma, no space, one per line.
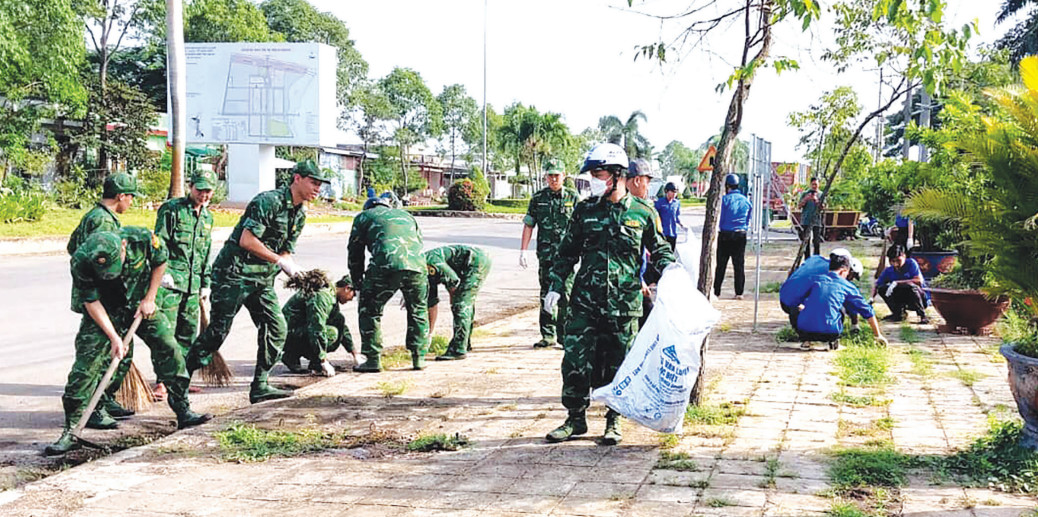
598,187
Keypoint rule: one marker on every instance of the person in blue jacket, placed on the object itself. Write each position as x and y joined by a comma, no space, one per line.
669,208
902,286
826,301
731,241
798,283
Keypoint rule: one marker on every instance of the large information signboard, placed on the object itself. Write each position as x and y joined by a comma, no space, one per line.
261,93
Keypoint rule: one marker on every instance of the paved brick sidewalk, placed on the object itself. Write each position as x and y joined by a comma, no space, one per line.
505,398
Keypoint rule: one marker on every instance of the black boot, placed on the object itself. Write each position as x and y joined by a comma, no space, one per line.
575,425
613,435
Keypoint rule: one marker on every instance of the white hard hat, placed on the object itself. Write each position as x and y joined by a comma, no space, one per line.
856,267
841,251
604,155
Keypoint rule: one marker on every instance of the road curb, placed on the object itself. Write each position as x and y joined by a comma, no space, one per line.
464,215
56,245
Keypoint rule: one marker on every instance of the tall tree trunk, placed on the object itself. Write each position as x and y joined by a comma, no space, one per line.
177,90
727,143
403,166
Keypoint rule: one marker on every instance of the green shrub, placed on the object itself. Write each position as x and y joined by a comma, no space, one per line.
510,203
997,460
22,205
464,196
77,190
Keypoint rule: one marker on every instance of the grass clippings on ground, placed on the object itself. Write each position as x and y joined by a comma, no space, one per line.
680,461
438,442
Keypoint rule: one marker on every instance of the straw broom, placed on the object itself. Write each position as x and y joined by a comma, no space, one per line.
134,393
216,373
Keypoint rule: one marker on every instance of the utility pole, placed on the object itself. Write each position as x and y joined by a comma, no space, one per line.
486,169
906,144
177,85
924,122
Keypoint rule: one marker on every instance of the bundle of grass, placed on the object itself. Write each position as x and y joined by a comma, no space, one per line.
134,393
309,282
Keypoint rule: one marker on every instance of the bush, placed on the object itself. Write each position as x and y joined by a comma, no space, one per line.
22,205
464,196
77,190
510,203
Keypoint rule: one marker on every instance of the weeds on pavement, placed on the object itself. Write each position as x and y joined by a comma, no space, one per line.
771,287
862,365
680,461
787,335
726,413
995,460
438,442
246,443
968,377
909,335
390,389
438,345
921,364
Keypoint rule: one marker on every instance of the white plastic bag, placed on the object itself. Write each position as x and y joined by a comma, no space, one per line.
653,384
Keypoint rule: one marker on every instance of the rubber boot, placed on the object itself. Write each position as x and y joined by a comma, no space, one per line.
372,365
114,409
66,443
179,404
544,343
100,419
613,435
190,419
576,424
418,360
451,355
261,391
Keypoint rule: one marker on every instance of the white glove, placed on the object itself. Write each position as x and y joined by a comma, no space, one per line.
327,369
890,288
168,282
204,294
289,266
550,300
359,358
522,259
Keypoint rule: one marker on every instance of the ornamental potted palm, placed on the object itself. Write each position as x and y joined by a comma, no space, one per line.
1002,223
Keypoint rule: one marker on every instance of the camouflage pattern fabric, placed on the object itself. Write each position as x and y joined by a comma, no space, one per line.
378,287
316,327
392,237
188,237
241,278
607,239
120,297
462,270
97,219
594,348
549,211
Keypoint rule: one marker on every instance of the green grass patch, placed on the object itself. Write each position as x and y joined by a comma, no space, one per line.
842,397
995,460
771,287
719,502
668,440
246,443
676,461
438,442
787,335
771,471
842,509
910,335
868,467
696,201
396,357
438,345
390,389
726,413
863,365
921,364
968,377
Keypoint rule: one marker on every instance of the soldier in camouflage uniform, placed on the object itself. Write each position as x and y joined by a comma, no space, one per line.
116,198
185,226
316,326
606,235
549,211
395,243
243,273
462,270
115,278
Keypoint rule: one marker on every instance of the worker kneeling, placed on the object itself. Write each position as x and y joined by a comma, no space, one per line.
316,326
462,270
824,304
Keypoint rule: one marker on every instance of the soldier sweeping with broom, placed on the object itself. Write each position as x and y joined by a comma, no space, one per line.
115,280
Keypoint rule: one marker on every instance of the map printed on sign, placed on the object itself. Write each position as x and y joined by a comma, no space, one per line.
261,93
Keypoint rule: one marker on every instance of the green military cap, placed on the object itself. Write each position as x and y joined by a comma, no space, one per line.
554,166
203,180
105,252
309,169
345,282
120,183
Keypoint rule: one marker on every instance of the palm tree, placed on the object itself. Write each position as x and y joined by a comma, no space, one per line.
626,134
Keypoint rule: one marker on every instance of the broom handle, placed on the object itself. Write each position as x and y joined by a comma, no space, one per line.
96,397
204,316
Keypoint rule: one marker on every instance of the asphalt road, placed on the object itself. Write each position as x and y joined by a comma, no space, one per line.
37,328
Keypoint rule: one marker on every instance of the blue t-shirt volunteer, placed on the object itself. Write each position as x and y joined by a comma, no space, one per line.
825,302
735,212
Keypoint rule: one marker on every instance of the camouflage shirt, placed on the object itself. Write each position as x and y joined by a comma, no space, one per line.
311,313
144,252
550,211
607,238
393,238
97,219
276,222
453,265
188,237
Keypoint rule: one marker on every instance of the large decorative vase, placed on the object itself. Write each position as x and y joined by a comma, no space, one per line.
1023,382
933,263
967,312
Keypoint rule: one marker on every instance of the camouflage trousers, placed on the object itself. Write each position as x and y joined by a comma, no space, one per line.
595,346
227,299
377,289
298,343
553,324
183,312
463,308
93,355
